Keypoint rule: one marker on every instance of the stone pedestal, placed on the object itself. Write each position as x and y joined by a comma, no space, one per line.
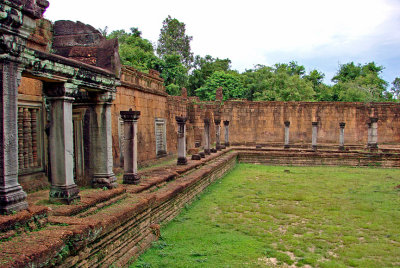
206,136
12,197
181,140
101,146
287,125
130,119
314,135
226,125
341,136
373,131
217,123
61,148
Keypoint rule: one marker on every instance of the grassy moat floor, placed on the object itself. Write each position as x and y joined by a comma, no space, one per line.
270,216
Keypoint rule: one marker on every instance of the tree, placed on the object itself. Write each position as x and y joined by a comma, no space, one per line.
360,83
291,69
283,82
136,51
232,86
174,74
173,40
322,91
395,90
203,69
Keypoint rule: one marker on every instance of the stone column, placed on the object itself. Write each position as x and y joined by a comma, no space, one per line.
207,136
369,134
226,125
181,140
374,133
12,197
101,143
314,135
287,125
217,123
16,23
130,119
341,136
61,148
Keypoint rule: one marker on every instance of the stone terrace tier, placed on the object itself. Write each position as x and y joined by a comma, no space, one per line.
114,227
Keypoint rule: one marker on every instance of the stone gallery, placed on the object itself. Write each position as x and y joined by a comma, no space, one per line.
71,116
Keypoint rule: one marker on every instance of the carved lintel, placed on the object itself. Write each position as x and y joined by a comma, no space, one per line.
60,89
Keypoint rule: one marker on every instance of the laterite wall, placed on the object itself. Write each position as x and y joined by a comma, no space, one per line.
263,122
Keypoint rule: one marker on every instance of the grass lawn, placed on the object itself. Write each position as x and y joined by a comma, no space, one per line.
264,216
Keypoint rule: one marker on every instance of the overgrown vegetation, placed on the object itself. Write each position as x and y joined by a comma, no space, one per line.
280,82
261,216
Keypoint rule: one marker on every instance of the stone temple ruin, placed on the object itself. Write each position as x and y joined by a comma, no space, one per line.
71,115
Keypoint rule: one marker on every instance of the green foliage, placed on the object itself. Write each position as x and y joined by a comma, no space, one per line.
395,90
283,82
232,86
322,91
174,74
360,83
203,69
174,41
136,51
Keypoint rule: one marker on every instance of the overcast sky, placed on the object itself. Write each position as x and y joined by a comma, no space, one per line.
318,34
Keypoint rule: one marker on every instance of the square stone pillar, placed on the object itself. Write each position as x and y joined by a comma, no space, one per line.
16,24
181,140
287,125
61,148
226,125
369,131
314,135
373,143
101,159
217,123
12,197
130,119
341,136
207,136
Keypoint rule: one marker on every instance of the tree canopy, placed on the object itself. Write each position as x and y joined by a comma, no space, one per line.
173,40
279,82
360,83
134,50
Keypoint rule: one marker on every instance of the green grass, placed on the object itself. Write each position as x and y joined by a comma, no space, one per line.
260,215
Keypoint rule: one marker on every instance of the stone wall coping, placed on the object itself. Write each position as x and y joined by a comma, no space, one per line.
143,89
